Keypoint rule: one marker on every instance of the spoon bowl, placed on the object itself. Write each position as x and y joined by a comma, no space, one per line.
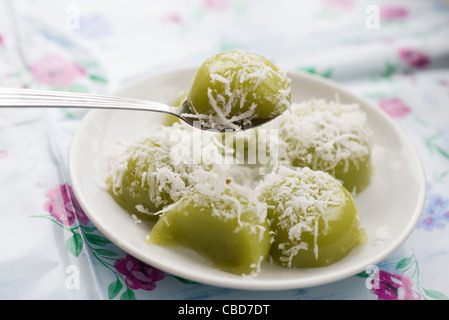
29,98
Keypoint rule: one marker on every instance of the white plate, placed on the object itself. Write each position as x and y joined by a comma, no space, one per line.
394,199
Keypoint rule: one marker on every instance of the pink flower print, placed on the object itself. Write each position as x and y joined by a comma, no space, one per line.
138,274
413,58
444,82
54,70
216,4
173,18
2,42
389,286
395,107
342,4
393,13
3,154
63,205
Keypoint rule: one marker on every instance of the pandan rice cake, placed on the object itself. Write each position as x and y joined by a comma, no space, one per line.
223,222
155,171
143,180
329,136
314,218
234,88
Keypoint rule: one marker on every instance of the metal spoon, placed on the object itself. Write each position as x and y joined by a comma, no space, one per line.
29,98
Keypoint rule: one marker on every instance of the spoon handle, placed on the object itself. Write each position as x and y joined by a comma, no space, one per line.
29,98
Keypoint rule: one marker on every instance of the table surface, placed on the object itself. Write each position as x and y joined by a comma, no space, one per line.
394,53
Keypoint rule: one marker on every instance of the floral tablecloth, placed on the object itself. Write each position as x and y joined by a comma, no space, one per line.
395,53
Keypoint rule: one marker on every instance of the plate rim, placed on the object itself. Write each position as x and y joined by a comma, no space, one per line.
229,282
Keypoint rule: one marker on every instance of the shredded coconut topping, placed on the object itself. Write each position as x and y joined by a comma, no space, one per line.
300,199
381,235
231,107
228,200
323,134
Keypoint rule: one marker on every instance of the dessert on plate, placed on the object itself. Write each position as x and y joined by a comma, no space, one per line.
329,136
301,213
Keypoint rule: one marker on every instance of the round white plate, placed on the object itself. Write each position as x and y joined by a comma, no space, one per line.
393,201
